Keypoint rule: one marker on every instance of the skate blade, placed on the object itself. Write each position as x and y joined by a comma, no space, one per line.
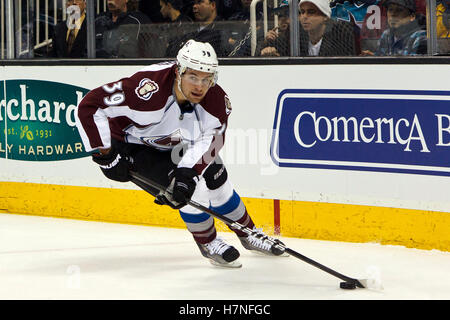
232,264
259,253
284,254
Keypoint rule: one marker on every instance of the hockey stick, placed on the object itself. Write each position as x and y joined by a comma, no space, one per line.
350,283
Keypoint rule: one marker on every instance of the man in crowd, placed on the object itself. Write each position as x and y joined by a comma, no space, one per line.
404,36
208,28
70,36
120,32
319,34
175,28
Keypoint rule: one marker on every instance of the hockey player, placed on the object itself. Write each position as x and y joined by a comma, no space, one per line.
167,122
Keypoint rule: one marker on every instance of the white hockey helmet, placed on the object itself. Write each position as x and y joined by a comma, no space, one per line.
198,56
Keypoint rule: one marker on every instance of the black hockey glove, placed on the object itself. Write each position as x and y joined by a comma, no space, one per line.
113,165
181,188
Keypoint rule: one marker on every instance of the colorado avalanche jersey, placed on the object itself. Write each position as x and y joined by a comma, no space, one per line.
142,109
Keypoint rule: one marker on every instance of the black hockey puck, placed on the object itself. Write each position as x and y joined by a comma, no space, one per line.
347,285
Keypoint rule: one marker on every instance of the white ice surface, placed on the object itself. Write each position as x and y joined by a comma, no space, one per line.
50,258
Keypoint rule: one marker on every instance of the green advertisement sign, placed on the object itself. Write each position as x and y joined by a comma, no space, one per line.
37,120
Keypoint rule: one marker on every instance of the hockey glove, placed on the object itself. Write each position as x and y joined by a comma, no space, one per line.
181,188
113,165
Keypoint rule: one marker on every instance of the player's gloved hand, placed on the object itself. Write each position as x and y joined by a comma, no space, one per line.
181,188
113,165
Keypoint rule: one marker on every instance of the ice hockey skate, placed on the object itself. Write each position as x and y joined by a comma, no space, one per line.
220,254
257,244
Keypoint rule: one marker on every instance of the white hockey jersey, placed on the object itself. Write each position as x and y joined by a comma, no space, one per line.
142,109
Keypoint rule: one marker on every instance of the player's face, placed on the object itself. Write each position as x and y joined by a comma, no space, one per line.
311,17
398,16
195,84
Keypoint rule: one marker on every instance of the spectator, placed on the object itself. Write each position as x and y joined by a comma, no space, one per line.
171,11
319,35
208,28
375,23
119,31
404,35
178,24
273,36
69,39
443,26
239,29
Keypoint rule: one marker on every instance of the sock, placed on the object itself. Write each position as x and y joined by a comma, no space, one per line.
205,236
246,221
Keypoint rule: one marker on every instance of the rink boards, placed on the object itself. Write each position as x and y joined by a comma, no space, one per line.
337,152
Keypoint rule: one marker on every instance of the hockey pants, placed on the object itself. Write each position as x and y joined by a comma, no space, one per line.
213,190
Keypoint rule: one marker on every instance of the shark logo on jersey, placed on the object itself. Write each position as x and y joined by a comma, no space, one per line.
164,142
227,105
146,89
